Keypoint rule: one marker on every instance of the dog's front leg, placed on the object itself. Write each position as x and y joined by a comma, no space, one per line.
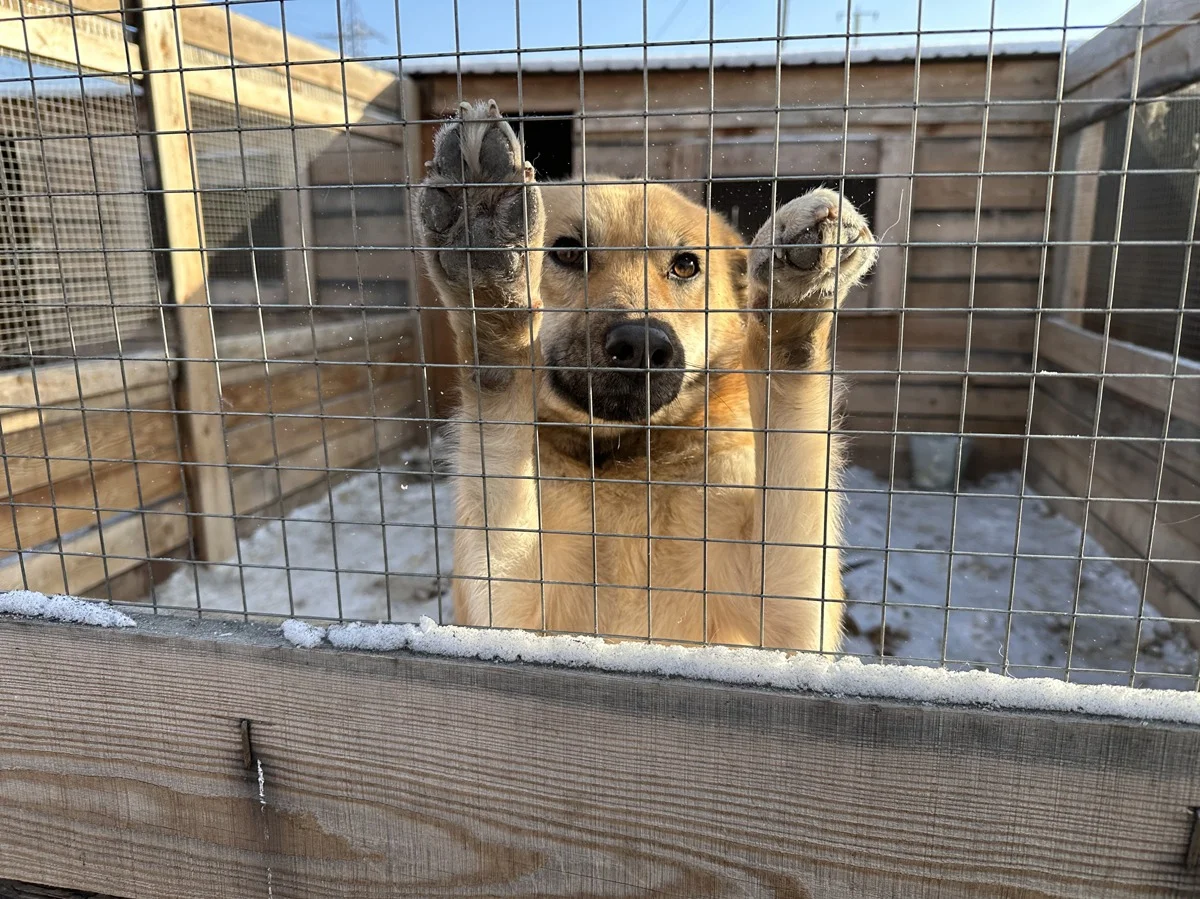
479,214
802,264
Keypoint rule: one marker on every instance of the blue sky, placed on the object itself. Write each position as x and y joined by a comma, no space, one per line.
428,26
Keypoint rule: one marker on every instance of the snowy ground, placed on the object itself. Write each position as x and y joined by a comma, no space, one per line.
972,629
335,565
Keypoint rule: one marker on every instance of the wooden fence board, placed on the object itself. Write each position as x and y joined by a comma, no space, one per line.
1077,349
89,559
71,447
407,776
36,516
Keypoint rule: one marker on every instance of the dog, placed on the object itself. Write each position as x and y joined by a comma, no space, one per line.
646,442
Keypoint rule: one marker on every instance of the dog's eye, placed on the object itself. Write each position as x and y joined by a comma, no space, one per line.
685,266
568,252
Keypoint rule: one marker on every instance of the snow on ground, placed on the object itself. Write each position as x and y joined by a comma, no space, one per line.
340,563
974,626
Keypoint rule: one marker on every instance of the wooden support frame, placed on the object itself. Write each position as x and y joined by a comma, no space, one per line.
401,775
48,31
893,216
213,28
199,392
1099,75
1078,350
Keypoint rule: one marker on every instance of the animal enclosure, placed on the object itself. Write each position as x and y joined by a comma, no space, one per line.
227,378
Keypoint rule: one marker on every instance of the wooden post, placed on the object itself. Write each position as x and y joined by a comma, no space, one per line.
1082,224
295,230
199,386
893,198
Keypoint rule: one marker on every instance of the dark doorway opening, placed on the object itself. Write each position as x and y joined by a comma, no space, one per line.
548,143
747,204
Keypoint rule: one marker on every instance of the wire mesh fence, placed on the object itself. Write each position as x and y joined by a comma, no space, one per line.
635,394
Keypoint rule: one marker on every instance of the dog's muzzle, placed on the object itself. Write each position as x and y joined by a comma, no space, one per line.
637,367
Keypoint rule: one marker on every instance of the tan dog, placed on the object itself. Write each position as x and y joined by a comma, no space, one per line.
626,466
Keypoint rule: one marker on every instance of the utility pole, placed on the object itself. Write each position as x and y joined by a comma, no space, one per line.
355,34
857,14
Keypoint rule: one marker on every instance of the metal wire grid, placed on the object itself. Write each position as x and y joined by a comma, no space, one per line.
237,216
78,266
1158,208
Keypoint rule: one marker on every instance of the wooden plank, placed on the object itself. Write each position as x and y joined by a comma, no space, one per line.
799,156
308,340
1125,478
47,413
257,488
46,31
254,90
11,889
367,233
961,154
199,383
293,387
990,294
37,516
114,547
1080,350
258,441
884,359
1172,556
150,397
383,354
71,446
937,330
1118,41
1079,218
215,27
1067,407
295,230
941,401
1130,466
1170,59
1177,532
1009,263
368,265
679,100
60,383
610,792
992,227
893,215
931,192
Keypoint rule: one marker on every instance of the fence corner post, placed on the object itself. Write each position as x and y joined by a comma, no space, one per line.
198,394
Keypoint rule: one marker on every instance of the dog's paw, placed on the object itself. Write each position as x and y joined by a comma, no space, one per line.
479,209
813,246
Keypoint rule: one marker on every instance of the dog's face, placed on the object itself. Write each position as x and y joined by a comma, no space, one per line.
627,331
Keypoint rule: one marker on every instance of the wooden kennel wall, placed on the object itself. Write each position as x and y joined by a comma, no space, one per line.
116,456
1132,438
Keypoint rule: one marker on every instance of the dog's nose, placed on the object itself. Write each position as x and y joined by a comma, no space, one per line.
630,344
